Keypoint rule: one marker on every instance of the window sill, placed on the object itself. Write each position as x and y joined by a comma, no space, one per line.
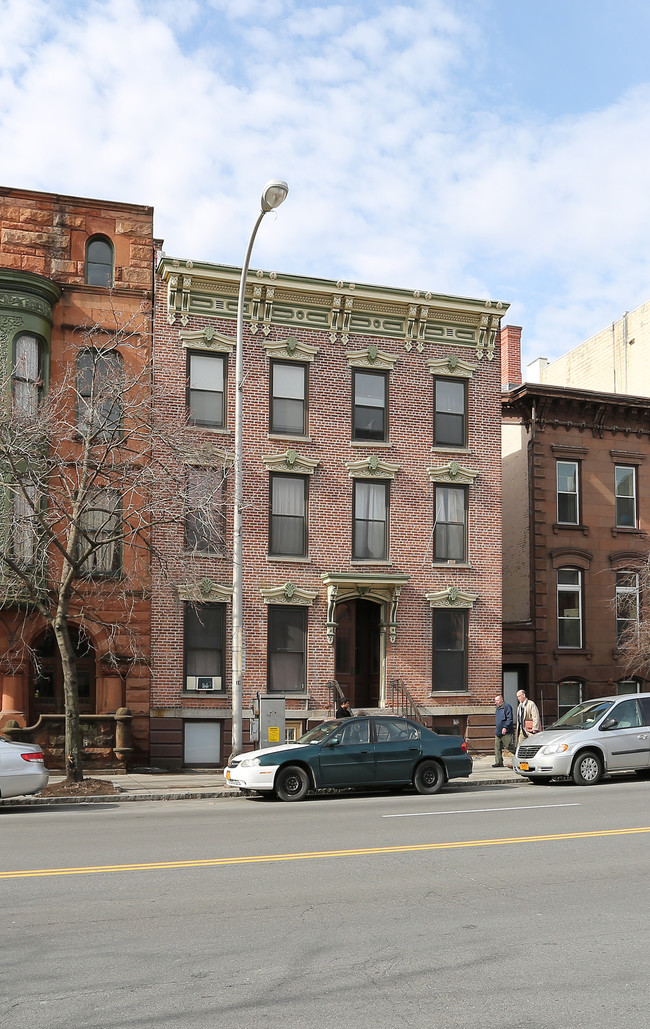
584,652
370,443
369,561
449,693
622,530
436,449
208,694
289,560
215,429
289,437
450,564
570,527
205,555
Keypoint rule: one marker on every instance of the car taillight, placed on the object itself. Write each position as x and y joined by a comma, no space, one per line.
463,746
33,755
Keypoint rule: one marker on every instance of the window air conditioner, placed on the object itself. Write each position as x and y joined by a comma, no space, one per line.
203,682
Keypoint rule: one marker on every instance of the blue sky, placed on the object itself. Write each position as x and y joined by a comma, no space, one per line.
484,148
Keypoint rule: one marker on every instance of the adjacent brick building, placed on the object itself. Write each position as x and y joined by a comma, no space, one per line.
576,477
67,264
372,491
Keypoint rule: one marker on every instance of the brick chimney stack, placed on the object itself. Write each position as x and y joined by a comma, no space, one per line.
510,356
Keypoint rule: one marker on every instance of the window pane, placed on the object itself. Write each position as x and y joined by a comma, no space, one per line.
624,482
206,394
567,475
287,629
370,521
450,397
625,512
568,577
206,372
288,522
289,381
449,658
204,639
449,533
99,263
369,405
26,375
288,398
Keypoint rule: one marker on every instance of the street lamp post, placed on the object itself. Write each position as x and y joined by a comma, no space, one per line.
273,194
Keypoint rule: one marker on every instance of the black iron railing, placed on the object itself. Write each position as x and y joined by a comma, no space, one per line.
401,701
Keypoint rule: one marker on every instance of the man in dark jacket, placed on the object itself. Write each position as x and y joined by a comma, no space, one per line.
343,710
504,734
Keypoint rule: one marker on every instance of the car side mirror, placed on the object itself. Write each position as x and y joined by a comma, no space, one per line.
333,743
609,723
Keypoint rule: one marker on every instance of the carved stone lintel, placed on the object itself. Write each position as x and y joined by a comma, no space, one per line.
288,593
451,597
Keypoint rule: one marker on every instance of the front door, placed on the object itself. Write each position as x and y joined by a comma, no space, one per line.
358,651
46,693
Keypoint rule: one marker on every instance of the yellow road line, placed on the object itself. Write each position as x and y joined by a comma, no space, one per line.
150,866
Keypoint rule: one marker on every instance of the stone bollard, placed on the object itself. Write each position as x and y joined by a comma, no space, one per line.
123,748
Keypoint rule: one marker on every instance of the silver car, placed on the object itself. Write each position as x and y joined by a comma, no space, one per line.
611,734
22,769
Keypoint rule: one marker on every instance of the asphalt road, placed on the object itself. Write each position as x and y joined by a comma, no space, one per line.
500,907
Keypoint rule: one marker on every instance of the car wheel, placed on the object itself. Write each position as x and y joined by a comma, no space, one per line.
429,777
292,783
587,769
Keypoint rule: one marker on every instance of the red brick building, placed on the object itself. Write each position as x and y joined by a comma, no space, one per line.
372,503
576,478
66,264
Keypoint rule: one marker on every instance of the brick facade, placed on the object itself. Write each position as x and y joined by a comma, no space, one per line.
563,446
335,329
43,290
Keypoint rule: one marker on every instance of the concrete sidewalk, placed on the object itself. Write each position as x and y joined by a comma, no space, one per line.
210,784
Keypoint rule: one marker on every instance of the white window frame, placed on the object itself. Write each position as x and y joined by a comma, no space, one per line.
568,493
563,588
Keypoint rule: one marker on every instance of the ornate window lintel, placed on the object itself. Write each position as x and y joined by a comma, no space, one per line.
372,467
451,365
371,357
207,338
452,472
290,349
290,461
451,597
205,592
288,593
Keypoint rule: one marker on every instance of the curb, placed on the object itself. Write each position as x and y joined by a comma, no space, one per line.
121,798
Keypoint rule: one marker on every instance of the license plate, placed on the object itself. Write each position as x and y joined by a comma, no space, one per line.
523,765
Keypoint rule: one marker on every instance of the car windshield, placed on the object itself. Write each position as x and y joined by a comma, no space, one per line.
583,716
318,734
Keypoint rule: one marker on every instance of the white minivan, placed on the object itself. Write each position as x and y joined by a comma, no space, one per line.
611,734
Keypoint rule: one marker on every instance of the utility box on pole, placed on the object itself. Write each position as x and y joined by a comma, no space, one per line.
268,722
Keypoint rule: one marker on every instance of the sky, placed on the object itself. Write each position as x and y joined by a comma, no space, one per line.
483,148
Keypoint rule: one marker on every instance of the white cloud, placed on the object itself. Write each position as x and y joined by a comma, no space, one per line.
399,170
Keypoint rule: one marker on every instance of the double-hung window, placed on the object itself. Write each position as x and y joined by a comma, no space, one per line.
288,516
287,645
26,377
207,389
204,645
204,510
101,533
99,261
370,529
569,607
627,605
449,651
568,508
450,413
450,535
370,405
569,694
99,393
289,390
625,487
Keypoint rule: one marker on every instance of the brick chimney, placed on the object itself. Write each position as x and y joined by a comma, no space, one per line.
510,356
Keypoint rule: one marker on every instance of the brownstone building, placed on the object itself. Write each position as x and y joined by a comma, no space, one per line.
68,265
576,480
372,503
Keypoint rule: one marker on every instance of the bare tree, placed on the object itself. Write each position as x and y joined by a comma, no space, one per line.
88,474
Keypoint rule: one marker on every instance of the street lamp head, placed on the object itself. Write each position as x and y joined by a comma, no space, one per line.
273,194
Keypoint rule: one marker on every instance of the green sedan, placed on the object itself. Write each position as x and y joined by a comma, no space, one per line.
353,753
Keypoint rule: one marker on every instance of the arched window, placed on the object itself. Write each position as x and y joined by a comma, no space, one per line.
99,261
26,376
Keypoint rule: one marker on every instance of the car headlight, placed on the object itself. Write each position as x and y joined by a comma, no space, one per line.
554,748
250,762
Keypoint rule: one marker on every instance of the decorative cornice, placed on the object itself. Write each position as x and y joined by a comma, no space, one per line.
451,365
371,467
291,349
371,357
451,597
452,472
207,339
289,593
339,309
205,592
290,461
